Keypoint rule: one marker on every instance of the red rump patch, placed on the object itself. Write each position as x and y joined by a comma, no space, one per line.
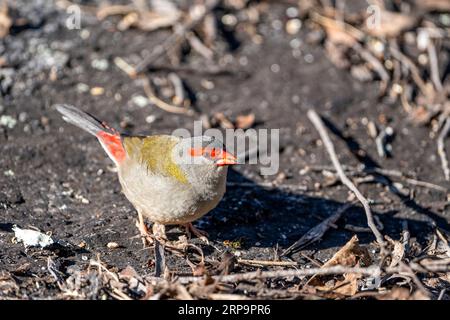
113,144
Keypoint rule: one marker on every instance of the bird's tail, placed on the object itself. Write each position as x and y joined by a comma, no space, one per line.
80,118
109,138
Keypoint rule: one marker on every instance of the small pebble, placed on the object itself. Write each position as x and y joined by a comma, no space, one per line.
8,121
295,99
292,12
229,20
208,84
112,245
84,34
275,68
82,87
277,25
150,119
295,43
309,58
9,173
23,116
140,101
97,91
100,64
293,26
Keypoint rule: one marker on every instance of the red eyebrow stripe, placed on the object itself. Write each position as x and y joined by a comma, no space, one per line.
194,152
113,145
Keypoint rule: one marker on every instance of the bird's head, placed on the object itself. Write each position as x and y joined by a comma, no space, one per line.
202,150
202,157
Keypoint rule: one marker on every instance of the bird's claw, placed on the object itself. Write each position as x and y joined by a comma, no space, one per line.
202,235
146,236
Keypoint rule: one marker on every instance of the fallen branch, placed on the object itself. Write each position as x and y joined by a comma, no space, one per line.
372,271
316,232
268,263
441,148
385,172
179,32
335,270
318,124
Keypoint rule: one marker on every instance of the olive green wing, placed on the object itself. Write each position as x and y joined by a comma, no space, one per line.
155,152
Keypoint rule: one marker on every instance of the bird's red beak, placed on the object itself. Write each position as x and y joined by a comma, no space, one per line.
226,159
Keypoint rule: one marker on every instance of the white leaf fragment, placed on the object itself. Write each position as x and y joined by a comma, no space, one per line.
32,238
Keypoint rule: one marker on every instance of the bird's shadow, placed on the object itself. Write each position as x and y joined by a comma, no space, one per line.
255,216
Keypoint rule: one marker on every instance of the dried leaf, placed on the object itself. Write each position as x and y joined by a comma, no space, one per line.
398,252
391,24
112,10
348,286
129,272
245,121
150,21
350,255
399,293
338,36
163,14
420,115
433,5
5,21
223,121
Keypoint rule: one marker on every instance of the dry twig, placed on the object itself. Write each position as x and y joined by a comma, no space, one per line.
320,127
317,232
441,148
160,103
268,263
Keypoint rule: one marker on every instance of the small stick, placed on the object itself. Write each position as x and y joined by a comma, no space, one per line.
441,294
385,172
125,67
434,66
415,72
316,232
267,185
161,104
318,124
375,63
381,141
373,270
198,46
353,228
441,148
178,33
267,263
178,86
226,296
334,270
160,259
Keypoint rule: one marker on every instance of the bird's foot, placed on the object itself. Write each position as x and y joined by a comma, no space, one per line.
147,237
202,235
159,232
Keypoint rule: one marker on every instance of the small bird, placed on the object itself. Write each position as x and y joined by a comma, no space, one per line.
169,180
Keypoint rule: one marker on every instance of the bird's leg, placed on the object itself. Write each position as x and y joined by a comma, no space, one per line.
202,235
145,234
159,232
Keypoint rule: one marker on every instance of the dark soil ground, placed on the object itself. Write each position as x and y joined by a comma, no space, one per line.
56,178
